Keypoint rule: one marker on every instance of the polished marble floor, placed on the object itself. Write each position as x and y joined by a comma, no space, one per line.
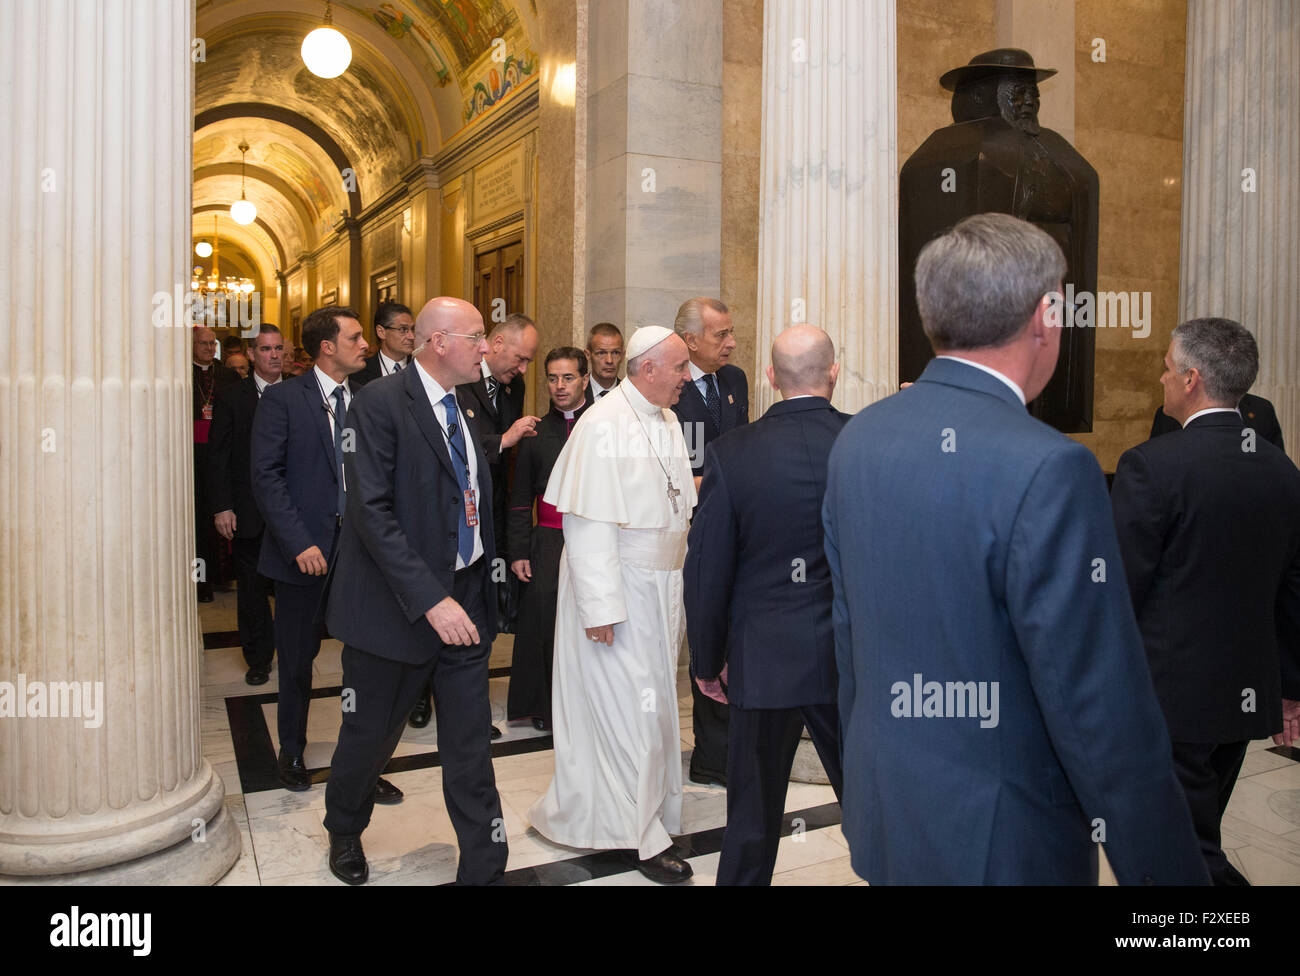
284,842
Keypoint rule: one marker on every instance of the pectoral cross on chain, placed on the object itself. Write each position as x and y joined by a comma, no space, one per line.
672,495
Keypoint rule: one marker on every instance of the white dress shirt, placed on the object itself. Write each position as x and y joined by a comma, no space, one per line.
1202,413
435,393
388,366
701,384
327,387
1015,387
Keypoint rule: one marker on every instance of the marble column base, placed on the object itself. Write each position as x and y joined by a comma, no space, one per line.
808,765
187,863
156,849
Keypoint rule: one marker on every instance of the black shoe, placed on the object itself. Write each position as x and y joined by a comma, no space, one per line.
496,733
541,725
705,778
348,860
421,714
665,868
386,792
293,773
257,676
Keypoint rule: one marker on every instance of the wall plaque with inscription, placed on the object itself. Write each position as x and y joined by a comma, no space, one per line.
499,185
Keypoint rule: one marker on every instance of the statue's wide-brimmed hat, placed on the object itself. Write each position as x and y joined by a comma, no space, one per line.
1002,60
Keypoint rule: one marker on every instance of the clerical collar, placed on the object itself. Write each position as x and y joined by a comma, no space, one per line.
1202,413
204,368
569,414
638,402
1015,387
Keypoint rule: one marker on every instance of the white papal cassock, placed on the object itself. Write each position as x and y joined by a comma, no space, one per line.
618,772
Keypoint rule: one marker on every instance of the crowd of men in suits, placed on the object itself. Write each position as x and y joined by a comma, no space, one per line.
999,667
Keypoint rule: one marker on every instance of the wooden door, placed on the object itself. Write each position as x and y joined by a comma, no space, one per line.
499,282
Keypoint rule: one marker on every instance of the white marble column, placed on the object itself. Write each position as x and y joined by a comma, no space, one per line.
828,213
1241,197
653,159
96,500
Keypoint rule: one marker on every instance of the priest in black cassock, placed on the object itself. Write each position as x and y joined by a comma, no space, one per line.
535,550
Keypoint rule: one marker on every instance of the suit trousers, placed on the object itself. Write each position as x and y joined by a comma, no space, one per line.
299,628
386,691
253,597
709,727
1208,772
760,756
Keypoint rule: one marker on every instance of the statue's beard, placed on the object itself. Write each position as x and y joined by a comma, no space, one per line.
1027,124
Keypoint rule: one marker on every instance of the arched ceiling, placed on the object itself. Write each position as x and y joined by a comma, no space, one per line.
421,71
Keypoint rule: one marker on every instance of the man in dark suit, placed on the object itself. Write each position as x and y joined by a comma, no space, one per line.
298,448
495,402
1255,411
209,379
535,550
604,354
1209,525
414,555
997,713
714,402
230,496
395,330
758,596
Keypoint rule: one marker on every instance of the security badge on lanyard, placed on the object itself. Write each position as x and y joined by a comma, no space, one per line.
471,509
471,506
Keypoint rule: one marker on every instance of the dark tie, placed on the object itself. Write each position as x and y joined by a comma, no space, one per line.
712,400
459,461
601,394
492,391
397,367
340,415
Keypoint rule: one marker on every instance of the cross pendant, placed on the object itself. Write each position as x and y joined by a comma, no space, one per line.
672,495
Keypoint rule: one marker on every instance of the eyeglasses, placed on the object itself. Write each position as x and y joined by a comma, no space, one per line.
476,336
404,330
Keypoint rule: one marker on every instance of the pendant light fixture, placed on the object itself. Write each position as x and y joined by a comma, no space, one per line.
325,51
242,210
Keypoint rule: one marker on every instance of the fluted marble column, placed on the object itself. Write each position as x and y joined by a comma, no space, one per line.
828,211
1241,198
96,500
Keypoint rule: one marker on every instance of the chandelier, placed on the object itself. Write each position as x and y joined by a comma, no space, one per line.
213,285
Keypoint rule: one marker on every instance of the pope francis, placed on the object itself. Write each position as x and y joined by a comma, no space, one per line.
623,483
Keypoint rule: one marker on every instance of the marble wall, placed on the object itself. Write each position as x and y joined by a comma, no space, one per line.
742,106
1129,125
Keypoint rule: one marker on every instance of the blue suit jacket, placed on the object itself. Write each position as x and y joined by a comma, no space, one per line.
698,426
397,551
758,589
969,542
295,480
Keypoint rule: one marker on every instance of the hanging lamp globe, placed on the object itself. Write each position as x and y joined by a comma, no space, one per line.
325,51
203,249
243,212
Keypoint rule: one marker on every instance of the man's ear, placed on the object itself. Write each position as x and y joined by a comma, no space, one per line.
771,375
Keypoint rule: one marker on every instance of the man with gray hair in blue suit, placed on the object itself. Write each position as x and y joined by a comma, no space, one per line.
997,713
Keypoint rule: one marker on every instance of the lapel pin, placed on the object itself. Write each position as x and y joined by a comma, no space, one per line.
469,413
731,398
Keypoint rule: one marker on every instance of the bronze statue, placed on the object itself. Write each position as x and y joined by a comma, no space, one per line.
996,158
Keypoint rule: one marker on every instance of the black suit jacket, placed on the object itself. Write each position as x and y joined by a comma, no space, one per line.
698,426
1255,412
230,479
493,421
1210,536
757,584
372,370
397,550
295,482
534,461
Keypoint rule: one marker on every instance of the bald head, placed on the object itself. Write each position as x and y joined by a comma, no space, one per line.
803,362
450,341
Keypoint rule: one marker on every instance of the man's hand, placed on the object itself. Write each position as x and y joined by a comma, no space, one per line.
603,635
698,479
523,569
713,689
225,522
1290,723
521,428
312,562
451,623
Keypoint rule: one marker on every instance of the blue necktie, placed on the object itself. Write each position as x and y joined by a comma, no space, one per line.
713,401
459,461
340,415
